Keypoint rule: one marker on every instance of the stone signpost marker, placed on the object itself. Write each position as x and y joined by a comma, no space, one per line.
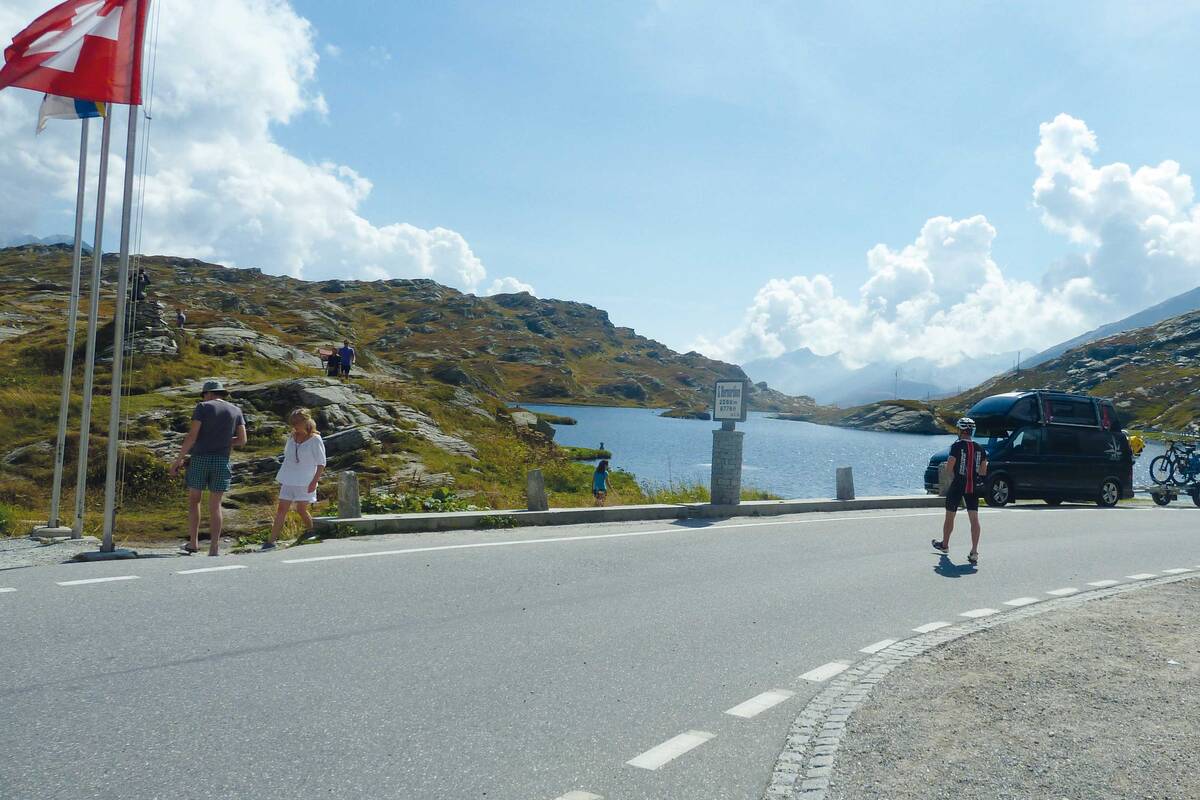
730,400
349,506
535,491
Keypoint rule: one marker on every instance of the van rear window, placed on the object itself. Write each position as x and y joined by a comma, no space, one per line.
1069,412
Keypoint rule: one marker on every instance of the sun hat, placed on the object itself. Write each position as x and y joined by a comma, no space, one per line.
216,387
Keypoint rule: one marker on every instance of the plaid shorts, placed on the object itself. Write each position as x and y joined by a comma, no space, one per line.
208,472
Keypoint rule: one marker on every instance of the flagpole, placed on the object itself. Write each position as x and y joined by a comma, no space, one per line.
114,408
64,405
89,369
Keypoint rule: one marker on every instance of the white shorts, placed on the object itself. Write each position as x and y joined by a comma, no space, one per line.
297,493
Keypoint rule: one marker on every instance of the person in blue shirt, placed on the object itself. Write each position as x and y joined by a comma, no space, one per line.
347,354
600,482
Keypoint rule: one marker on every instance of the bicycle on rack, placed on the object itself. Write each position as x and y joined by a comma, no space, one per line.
1180,465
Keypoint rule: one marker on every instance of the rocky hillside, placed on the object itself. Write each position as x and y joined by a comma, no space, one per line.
428,407
1152,373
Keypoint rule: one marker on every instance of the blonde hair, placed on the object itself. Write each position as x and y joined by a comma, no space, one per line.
304,414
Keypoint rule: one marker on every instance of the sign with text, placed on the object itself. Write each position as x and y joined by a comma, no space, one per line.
730,401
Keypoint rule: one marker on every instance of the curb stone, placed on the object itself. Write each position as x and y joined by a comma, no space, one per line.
803,769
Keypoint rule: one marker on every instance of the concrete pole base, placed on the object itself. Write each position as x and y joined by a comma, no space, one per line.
113,555
46,533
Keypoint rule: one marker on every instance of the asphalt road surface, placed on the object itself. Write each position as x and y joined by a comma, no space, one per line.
575,662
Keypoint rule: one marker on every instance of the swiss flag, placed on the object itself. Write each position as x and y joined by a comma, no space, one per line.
86,49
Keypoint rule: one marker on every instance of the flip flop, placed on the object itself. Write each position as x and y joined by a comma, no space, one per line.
187,548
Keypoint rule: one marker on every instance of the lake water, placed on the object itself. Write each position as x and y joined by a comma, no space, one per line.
789,459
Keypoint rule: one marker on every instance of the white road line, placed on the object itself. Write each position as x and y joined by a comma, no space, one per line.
1176,571
880,645
1023,601
578,794
210,569
980,612
760,703
825,671
1105,582
1142,576
1063,592
623,535
98,580
6,589
931,626
669,750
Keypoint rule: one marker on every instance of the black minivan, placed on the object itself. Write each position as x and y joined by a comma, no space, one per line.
1050,446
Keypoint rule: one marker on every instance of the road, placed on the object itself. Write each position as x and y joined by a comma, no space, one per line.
522,665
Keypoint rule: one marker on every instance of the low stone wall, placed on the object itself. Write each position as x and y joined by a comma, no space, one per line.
470,520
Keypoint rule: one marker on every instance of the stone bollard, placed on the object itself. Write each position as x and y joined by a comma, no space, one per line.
726,485
535,491
349,505
944,479
845,483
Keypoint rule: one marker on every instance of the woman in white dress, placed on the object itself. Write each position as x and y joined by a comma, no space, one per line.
303,463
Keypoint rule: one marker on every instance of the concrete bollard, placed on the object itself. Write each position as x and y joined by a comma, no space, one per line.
944,479
349,505
535,491
844,480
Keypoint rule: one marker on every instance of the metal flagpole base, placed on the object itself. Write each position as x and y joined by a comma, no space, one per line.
112,555
52,534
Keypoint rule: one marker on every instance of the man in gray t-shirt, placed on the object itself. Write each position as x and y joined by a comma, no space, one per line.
217,427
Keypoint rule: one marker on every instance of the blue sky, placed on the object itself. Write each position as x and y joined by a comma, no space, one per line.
667,161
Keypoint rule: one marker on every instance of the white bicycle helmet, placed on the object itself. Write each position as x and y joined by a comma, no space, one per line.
966,424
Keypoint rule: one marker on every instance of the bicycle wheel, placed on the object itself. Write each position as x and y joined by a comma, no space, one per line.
1161,470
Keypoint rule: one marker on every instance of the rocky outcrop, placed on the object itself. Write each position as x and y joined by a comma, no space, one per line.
531,421
228,339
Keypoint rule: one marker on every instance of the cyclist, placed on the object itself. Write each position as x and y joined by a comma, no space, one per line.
968,465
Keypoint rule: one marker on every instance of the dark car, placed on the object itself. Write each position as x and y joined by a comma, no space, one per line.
1050,446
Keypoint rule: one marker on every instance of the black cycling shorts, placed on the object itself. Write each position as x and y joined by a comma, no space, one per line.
958,495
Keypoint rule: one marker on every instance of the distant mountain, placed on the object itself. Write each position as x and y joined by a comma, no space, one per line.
827,380
1179,304
62,238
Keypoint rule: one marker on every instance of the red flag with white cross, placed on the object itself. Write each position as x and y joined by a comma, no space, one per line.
85,49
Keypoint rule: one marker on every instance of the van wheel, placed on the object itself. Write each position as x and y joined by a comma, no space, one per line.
1110,493
999,491
1054,501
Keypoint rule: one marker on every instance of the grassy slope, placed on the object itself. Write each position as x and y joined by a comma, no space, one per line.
579,354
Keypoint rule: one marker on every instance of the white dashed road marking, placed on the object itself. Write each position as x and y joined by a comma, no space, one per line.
979,612
579,795
1142,576
931,626
4,589
1103,583
756,705
825,671
1176,571
1063,592
98,580
210,569
1023,601
880,645
669,750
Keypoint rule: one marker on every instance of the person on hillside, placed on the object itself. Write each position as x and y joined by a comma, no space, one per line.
968,465
600,485
217,427
333,364
299,474
347,355
180,319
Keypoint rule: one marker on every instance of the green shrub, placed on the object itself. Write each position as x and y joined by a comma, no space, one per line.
8,520
439,501
493,521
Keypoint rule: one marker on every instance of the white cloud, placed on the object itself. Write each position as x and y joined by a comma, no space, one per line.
509,285
943,295
333,51
220,186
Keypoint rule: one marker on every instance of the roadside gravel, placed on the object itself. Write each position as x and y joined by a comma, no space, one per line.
25,552
1097,701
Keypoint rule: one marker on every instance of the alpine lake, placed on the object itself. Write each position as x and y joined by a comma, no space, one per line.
794,460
